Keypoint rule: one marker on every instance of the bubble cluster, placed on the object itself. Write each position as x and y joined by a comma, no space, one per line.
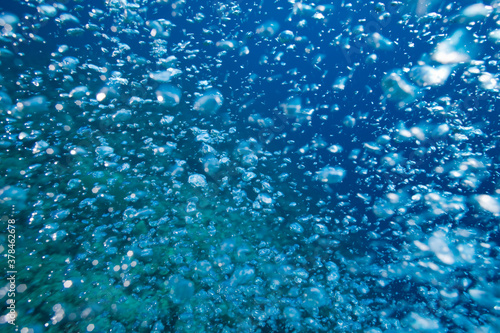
235,166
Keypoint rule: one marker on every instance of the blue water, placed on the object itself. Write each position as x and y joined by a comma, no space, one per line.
135,215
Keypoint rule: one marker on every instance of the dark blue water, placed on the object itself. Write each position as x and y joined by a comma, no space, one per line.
114,236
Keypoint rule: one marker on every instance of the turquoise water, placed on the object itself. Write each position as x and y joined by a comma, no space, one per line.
285,166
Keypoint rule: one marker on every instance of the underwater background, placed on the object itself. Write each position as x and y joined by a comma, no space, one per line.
237,166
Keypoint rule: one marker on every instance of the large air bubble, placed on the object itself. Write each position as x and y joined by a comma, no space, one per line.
168,95
209,102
